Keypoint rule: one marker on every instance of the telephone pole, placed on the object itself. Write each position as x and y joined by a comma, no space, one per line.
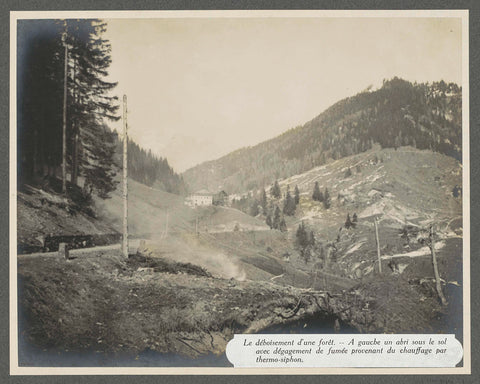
378,247
166,222
125,181
438,284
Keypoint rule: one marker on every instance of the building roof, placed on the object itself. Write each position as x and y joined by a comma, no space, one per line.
202,192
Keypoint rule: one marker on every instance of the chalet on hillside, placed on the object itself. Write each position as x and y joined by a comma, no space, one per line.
199,199
220,198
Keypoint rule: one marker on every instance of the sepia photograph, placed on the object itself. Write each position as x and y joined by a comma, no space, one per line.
183,177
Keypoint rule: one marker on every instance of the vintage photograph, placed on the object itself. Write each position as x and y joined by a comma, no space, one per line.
182,177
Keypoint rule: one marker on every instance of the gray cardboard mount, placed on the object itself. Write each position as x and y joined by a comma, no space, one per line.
8,5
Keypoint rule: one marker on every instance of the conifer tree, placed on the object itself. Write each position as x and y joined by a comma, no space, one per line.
277,217
354,220
254,211
348,222
40,70
275,190
302,236
317,194
154,171
289,205
90,105
305,242
264,200
297,195
326,199
90,143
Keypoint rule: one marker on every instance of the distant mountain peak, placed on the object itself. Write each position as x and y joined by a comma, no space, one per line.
400,113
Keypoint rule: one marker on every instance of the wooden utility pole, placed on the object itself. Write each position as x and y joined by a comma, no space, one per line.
378,246
325,266
125,180
166,222
64,122
435,269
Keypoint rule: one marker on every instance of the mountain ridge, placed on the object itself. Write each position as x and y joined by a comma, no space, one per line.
425,116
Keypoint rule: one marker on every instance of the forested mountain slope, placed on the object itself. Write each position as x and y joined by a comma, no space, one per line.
150,169
425,116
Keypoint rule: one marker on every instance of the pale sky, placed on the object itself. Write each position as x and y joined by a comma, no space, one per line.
200,88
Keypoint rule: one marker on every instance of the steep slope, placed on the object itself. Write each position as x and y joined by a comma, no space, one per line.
149,169
147,210
405,189
425,116
41,213
152,211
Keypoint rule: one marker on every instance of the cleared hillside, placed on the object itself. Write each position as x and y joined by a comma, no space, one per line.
151,213
149,210
404,188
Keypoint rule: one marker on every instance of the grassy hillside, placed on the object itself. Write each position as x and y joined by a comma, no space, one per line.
148,209
425,116
150,213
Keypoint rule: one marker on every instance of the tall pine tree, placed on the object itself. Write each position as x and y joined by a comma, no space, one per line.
90,106
275,190
289,205
264,201
40,63
297,195
40,74
317,194
277,217
326,199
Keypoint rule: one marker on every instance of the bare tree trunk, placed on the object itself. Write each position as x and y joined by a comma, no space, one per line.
64,128
435,270
74,176
75,127
378,247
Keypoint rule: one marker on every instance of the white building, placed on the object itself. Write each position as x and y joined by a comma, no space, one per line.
199,199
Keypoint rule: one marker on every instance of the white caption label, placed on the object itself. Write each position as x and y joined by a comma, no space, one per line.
286,351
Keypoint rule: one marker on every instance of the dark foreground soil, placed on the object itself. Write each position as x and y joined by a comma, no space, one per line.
107,304
104,305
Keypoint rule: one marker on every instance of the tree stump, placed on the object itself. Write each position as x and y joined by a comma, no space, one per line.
63,250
